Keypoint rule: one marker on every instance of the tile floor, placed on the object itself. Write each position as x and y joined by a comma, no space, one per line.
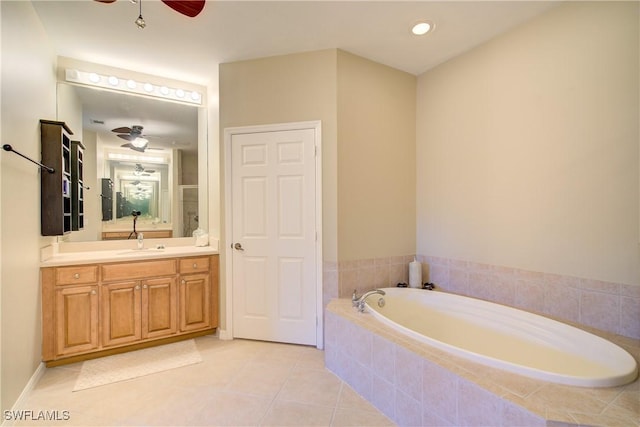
239,383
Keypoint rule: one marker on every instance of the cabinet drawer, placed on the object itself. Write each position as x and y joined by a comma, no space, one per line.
138,270
76,275
194,265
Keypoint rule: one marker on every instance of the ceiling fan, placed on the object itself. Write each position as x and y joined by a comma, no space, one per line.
141,171
137,141
190,8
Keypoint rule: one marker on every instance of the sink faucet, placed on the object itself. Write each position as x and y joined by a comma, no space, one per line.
359,302
140,241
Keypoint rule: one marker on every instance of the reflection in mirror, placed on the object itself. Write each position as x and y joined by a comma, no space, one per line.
143,156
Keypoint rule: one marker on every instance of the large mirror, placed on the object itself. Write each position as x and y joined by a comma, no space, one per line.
143,168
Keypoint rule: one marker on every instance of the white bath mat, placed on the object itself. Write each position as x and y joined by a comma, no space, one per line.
134,364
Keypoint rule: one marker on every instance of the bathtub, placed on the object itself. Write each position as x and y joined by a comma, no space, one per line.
505,338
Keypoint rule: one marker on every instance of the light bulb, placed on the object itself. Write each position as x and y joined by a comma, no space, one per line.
421,28
140,22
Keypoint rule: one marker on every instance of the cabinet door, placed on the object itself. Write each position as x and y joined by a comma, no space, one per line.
76,319
159,307
120,304
195,302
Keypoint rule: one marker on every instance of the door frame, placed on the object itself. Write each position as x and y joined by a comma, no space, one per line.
316,126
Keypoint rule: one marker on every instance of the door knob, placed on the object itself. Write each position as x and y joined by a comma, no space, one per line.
238,247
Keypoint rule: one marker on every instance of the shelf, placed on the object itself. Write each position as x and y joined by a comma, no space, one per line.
56,188
77,179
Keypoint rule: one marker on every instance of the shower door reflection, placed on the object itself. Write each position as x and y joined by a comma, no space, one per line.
188,209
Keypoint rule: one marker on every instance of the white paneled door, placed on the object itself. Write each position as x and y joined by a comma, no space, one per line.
274,236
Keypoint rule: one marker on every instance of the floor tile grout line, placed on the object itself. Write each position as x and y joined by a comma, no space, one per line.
275,397
335,408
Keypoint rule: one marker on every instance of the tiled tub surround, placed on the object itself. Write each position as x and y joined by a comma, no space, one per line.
416,384
611,307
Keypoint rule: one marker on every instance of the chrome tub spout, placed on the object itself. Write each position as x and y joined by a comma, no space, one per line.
359,301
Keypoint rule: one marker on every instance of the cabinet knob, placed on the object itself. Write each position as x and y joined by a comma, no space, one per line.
195,265
93,292
137,288
76,276
183,282
145,286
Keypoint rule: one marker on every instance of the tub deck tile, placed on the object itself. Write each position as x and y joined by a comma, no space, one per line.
513,399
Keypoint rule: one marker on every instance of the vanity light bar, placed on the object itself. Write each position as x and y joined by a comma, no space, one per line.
133,86
136,158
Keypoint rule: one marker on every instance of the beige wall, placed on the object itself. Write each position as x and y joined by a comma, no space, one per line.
368,127
528,147
290,88
28,95
376,159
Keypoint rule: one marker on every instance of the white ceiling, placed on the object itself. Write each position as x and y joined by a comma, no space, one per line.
190,49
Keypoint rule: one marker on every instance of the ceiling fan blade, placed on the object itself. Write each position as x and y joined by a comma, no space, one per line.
190,8
123,129
127,137
134,148
105,1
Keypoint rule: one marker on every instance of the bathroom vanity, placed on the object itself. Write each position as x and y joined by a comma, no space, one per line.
110,301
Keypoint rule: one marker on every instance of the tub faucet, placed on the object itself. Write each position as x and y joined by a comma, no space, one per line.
359,302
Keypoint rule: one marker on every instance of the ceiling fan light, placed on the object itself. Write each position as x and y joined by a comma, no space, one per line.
140,22
140,142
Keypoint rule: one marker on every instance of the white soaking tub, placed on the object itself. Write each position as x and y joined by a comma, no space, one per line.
505,337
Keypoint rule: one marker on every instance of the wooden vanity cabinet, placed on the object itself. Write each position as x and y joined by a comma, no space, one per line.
120,305
138,300
70,312
195,294
148,234
137,310
88,309
76,319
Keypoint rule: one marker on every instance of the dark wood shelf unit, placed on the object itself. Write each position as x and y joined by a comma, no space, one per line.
55,188
77,178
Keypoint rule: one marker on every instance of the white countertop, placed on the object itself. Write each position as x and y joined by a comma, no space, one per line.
120,251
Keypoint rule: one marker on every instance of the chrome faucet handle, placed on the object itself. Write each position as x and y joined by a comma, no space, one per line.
354,298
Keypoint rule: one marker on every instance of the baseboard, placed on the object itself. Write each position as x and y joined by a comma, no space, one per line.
223,334
39,372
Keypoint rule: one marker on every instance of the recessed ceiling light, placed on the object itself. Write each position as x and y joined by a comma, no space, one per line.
421,28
